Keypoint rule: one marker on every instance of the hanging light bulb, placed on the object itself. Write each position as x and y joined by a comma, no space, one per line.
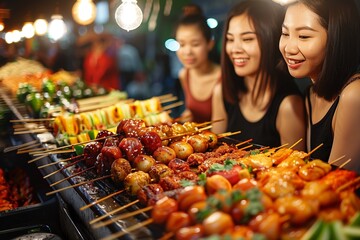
57,27
2,26
16,36
128,15
84,12
28,30
41,26
9,37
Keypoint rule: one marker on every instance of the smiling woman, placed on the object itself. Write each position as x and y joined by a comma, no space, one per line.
257,97
311,31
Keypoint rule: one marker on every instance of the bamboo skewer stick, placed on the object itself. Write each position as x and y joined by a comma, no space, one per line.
62,168
113,212
99,101
348,184
166,100
72,145
77,185
336,160
100,200
315,149
246,147
121,217
279,147
38,158
54,152
209,122
346,162
244,142
16,130
95,106
26,125
129,229
173,105
63,160
32,120
9,149
29,146
263,148
74,175
165,96
296,143
30,150
167,236
32,131
228,134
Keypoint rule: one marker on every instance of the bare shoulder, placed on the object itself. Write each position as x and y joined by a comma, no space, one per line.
291,103
350,95
217,90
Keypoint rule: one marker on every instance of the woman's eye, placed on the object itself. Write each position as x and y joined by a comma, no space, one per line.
304,37
248,39
284,34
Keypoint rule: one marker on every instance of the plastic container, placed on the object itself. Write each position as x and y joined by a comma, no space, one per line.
42,216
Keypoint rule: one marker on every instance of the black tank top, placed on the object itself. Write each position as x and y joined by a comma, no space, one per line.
321,132
263,132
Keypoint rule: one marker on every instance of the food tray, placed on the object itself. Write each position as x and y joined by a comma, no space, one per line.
28,218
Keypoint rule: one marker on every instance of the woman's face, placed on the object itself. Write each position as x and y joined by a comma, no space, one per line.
194,48
242,46
303,42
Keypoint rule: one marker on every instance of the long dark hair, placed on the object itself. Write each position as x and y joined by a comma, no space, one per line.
267,17
342,59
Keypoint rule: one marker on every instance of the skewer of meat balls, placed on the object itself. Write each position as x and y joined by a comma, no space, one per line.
134,146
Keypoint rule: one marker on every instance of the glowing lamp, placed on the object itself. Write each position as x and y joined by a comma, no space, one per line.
28,30
84,12
128,15
57,27
41,26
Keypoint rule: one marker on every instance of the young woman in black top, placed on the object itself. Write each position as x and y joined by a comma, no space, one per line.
321,40
257,96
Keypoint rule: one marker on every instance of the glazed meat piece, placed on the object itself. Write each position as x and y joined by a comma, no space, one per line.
159,171
131,147
211,137
104,133
178,165
112,141
111,152
151,141
91,150
120,168
225,148
133,182
198,143
210,161
150,194
196,159
102,165
164,154
188,175
131,127
169,183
